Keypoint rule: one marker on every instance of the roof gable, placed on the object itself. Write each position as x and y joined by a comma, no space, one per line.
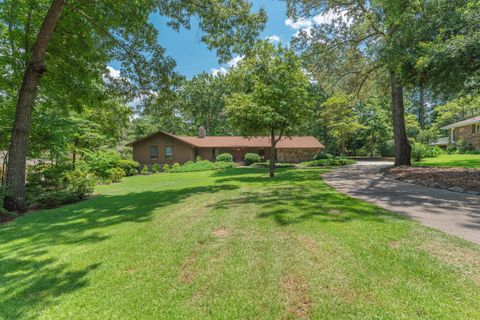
462,123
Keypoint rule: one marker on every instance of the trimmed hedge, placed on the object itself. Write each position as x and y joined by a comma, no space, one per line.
327,162
224,157
202,165
251,158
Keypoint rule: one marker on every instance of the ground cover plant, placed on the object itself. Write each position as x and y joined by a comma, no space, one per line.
232,244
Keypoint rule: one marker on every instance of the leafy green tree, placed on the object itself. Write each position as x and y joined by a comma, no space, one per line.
276,102
69,44
384,34
340,119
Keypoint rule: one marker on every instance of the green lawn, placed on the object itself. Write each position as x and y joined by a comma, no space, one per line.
232,245
452,160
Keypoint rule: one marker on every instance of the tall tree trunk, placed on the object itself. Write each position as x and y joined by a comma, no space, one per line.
15,197
272,153
421,107
402,146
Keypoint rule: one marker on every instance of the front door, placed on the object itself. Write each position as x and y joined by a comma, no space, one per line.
237,155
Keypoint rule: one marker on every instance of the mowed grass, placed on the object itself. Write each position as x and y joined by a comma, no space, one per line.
452,160
232,245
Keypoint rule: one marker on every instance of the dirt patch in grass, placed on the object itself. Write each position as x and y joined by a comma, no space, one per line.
221,233
440,178
309,243
296,291
466,260
187,273
395,244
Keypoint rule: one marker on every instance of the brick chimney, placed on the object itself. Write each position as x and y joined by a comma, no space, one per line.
201,132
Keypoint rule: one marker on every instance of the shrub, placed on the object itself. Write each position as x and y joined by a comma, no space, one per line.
175,167
100,161
473,152
144,170
202,165
81,183
42,199
47,176
115,174
251,158
323,155
327,162
189,163
129,166
224,157
419,151
166,167
433,151
388,148
156,168
198,158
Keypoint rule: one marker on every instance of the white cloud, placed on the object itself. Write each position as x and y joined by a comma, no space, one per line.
217,71
331,16
273,38
299,24
233,63
114,73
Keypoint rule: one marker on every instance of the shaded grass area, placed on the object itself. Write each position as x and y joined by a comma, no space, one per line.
452,160
232,244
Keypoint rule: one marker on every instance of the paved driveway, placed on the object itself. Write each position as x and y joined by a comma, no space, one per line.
455,213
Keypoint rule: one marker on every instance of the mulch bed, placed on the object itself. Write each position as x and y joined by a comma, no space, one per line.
440,178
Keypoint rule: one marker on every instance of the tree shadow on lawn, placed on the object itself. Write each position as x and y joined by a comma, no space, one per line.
31,279
287,201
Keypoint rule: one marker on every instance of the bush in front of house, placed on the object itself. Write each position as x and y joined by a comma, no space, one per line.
202,165
155,168
130,167
114,175
251,158
144,170
327,162
166,167
323,155
224,157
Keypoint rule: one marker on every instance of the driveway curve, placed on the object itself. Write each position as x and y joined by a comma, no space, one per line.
454,213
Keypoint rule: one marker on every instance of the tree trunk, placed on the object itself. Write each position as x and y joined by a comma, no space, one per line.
402,146
15,199
372,148
272,153
421,107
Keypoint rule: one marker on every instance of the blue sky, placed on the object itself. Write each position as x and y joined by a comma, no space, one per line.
192,55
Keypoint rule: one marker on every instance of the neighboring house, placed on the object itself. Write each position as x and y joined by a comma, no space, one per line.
163,147
467,130
441,142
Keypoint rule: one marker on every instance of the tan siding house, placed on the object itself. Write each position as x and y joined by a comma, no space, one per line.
468,130
163,147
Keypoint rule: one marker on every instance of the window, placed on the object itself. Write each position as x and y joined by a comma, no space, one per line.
168,152
476,128
261,152
153,152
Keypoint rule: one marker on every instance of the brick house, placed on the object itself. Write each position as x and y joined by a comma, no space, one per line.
467,130
163,147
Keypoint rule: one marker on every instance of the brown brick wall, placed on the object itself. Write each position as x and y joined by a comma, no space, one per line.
296,155
466,134
182,152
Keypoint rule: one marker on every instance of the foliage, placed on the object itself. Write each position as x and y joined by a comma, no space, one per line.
130,167
114,174
323,155
419,151
201,165
224,157
273,97
81,183
156,168
100,162
166,167
145,170
327,162
251,158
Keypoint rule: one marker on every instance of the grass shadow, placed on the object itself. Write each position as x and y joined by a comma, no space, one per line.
26,270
